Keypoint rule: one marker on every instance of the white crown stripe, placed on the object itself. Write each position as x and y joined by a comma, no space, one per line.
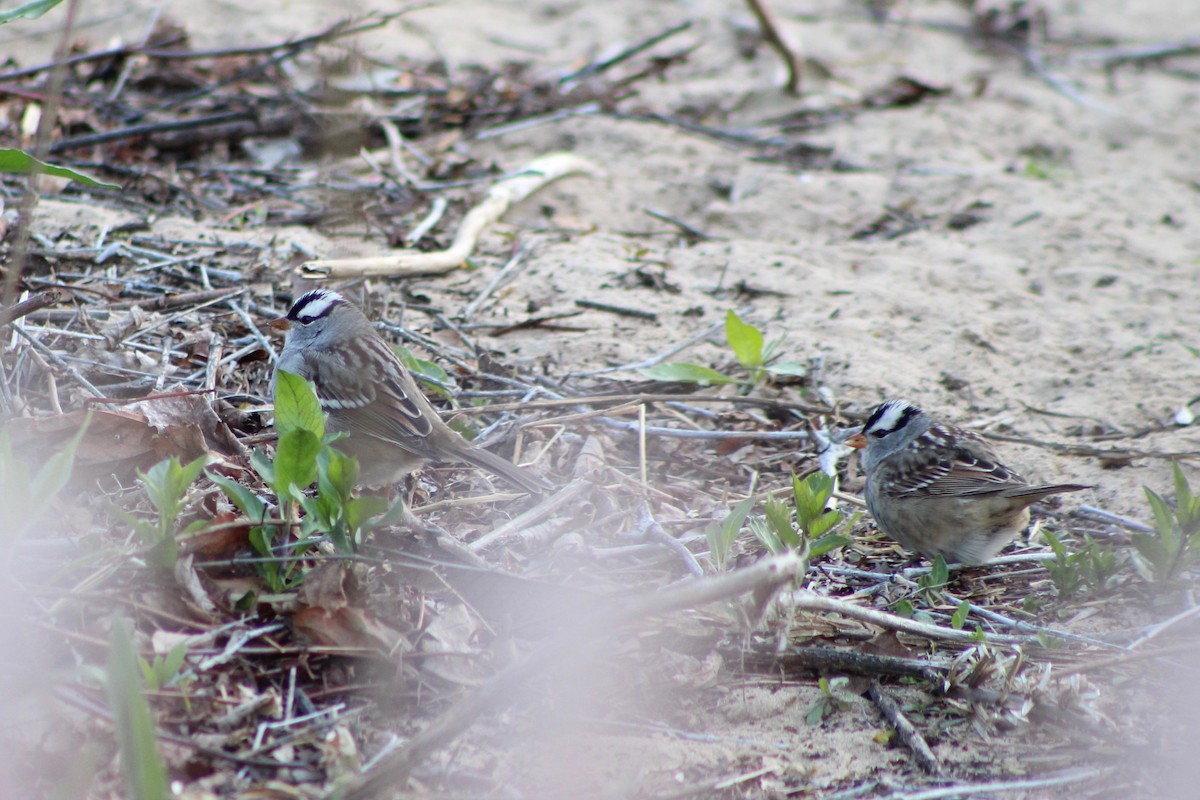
892,412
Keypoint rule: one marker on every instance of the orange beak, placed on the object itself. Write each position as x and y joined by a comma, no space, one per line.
279,324
858,441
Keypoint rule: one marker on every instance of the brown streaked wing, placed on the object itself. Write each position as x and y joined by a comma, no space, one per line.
967,470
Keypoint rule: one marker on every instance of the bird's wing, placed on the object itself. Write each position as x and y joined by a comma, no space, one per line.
970,468
376,401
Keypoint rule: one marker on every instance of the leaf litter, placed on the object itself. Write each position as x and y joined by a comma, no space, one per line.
507,633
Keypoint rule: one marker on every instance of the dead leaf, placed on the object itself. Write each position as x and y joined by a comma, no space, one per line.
120,441
902,91
449,641
348,628
223,540
196,595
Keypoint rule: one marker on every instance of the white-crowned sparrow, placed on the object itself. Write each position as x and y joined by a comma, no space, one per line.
936,488
369,394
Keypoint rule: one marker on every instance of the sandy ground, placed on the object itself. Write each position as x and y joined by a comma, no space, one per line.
1065,313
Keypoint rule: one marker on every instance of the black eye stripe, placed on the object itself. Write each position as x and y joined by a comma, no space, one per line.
906,412
313,305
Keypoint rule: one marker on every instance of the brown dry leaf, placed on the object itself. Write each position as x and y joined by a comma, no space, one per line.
339,752
196,595
223,540
118,442
902,91
329,585
170,412
348,628
451,639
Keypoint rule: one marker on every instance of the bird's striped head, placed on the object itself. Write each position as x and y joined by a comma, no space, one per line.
314,305
889,417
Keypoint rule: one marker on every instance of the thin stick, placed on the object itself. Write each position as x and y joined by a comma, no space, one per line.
641,424
436,210
632,399
663,356
1155,630
600,66
556,501
336,31
63,365
504,194
656,532
983,789
510,270
767,576
619,310
35,302
907,732
808,601
775,39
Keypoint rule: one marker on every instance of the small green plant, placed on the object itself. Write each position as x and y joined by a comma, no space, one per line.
431,375
163,670
166,485
932,582
959,617
1093,566
1163,556
721,535
835,696
303,455
24,496
750,349
814,525
141,762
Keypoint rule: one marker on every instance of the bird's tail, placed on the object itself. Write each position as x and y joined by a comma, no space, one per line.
1035,493
517,476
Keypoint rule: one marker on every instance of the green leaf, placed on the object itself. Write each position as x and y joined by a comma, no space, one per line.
141,763
1151,549
173,663
763,532
779,520
54,475
823,524
721,536
428,373
939,573
18,162
337,473
297,406
263,466
361,511
295,461
830,541
791,368
686,373
960,615
149,677
262,541
811,497
1163,518
745,340
246,501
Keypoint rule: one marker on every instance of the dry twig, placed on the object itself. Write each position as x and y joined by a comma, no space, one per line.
502,196
763,579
